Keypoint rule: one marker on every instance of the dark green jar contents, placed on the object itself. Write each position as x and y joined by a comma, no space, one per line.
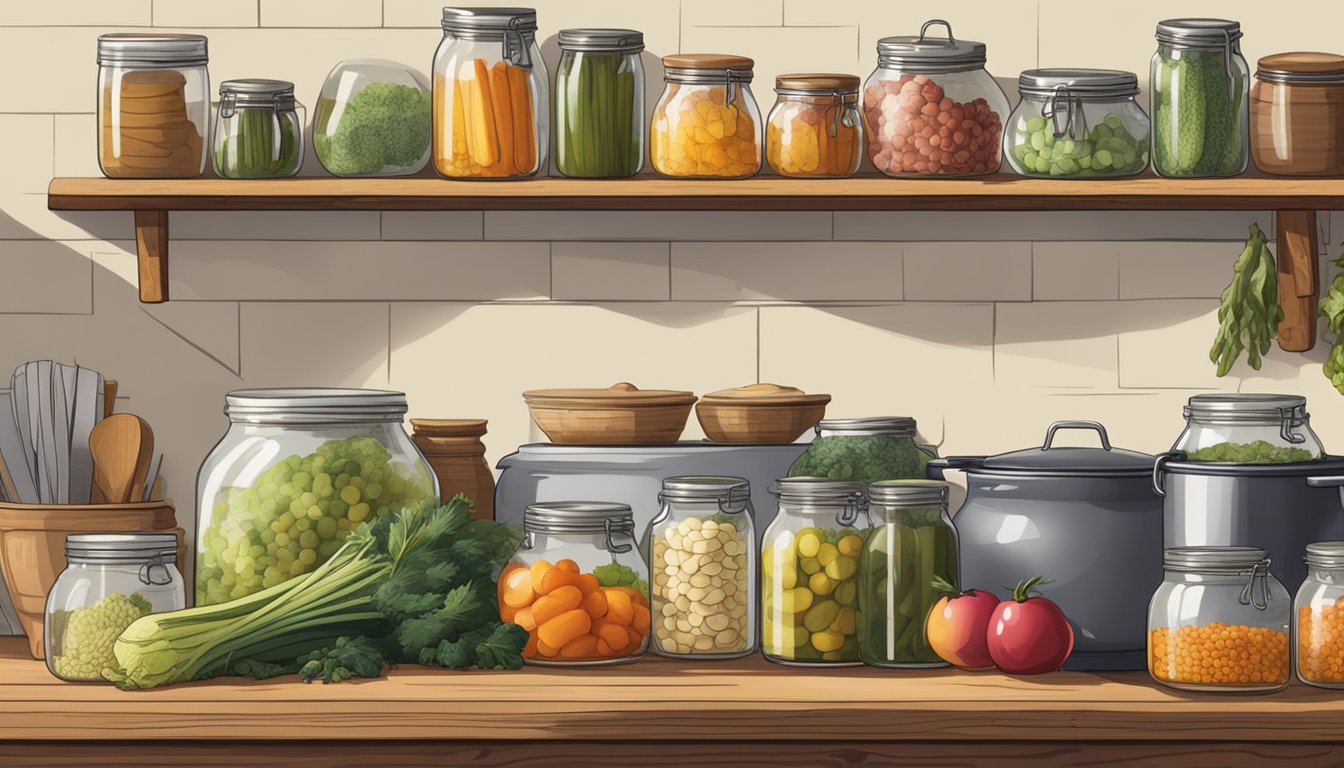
1254,452
258,143
863,458
1199,114
905,553
599,126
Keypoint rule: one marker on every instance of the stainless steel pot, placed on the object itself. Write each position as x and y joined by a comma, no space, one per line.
1085,517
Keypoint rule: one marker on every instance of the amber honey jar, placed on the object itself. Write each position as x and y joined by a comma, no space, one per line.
1297,114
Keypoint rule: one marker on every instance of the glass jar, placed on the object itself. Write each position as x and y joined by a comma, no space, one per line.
578,585
814,128
1297,114
707,124
864,451
599,104
372,119
1248,429
1199,89
109,581
1219,621
491,97
1077,123
931,109
701,549
910,548
809,573
153,105
298,470
1318,655
259,133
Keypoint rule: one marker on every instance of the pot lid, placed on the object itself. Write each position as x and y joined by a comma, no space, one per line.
1301,68
1048,459
928,53
622,395
765,394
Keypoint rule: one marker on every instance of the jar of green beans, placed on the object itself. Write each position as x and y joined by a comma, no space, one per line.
599,104
259,133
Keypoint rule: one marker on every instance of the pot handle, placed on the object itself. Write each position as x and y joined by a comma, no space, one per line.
1326,482
1093,425
1160,473
936,467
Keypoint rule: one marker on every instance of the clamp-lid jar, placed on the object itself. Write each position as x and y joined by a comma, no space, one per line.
1199,87
1248,429
1077,123
814,129
707,123
259,133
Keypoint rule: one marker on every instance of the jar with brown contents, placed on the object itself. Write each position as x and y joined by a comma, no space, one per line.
814,129
1319,652
1297,114
153,105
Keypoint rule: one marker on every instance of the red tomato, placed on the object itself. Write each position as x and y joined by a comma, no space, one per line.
958,629
1029,635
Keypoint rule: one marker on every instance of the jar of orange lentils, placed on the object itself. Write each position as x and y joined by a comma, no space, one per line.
814,129
1318,653
1219,621
706,124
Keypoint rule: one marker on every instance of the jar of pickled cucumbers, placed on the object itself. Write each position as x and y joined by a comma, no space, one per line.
809,573
599,104
1200,90
814,128
707,124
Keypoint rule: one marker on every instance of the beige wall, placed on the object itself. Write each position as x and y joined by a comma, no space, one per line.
983,326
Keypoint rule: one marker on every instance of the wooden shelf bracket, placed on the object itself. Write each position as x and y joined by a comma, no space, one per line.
151,250
1299,278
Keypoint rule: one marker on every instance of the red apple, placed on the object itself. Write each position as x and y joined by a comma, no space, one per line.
958,628
1029,635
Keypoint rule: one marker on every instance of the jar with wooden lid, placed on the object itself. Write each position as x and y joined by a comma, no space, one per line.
455,452
153,105
707,124
1297,114
814,128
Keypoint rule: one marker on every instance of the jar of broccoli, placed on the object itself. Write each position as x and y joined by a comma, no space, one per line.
864,451
298,470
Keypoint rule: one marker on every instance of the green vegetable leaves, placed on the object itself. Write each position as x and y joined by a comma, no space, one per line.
383,127
1249,313
1332,309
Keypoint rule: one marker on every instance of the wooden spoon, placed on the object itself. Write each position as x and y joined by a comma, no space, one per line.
122,446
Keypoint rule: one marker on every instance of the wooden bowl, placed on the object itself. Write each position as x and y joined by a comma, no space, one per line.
760,414
622,415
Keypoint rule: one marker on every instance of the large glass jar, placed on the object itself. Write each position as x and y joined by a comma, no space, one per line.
1318,655
864,451
809,573
909,560
259,133
109,581
707,124
701,549
1219,621
599,104
372,119
1297,114
814,129
298,470
491,95
153,105
578,585
1199,89
931,109
1077,123
1248,429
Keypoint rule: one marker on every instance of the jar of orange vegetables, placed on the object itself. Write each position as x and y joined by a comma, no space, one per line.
491,103
1319,610
706,124
814,129
578,585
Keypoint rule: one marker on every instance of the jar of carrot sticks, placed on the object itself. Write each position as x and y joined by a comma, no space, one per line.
491,106
813,130
578,585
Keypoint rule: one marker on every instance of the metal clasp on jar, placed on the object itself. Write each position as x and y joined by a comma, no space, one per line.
1259,574
1287,417
1073,108
849,515
609,542
155,573
517,47
228,103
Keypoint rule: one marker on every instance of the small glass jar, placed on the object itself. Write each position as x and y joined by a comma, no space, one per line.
1219,621
1297,114
931,109
911,545
491,95
578,585
153,105
599,104
864,451
1199,90
1248,429
707,124
298,470
109,581
372,119
701,549
809,573
1318,655
1077,123
259,133
814,130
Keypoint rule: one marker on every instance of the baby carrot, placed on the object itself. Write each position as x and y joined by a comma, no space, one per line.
636,639
641,620
530,649
564,599
546,650
619,607
595,604
568,565
525,619
563,628
581,647
516,588
539,570
614,634
602,648
588,583
556,578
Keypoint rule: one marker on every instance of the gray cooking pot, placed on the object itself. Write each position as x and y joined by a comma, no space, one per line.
1087,518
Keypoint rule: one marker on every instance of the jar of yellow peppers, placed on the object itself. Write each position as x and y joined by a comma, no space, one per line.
814,129
706,124
491,103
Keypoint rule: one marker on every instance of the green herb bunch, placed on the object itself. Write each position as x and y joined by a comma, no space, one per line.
1332,309
1249,314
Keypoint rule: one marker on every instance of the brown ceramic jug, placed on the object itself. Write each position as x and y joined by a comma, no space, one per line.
454,450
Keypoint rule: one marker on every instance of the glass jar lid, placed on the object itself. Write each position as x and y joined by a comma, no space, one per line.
817,490
899,426
707,68
1247,409
602,40
1325,554
1214,559
136,49
908,493
578,517
929,54
277,94
120,547
283,407
816,84
733,491
1199,33
488,23
1301,68
1099,84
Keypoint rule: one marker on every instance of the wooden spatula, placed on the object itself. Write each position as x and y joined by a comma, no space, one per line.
122,446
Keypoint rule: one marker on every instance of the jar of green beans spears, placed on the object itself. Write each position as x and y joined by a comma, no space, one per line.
599,104
1200,91
259,133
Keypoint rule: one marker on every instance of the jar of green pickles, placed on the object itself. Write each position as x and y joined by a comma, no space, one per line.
259,134
1200,92
599,104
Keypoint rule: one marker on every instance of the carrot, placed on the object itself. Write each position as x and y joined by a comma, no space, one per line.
620,609
641,620
568,565
481,113
525,139
588,583
516,589
636,639
563,628
603,649
556,578
564,599
635,595
596,604
581,647
613,634
507,614
546,650
538,571
530,649
499,92
525,619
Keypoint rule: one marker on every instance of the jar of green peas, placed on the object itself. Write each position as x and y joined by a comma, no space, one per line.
1077,123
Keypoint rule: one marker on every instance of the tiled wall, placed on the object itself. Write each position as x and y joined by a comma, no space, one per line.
984,326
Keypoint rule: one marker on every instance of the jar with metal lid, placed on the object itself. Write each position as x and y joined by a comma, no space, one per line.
1248,429
1318,655
701,549
1297,114
153,105
491,95
109,581
814,128
578,585
864,451
909,560
1199,88
297,471
1219,621
809,573
259,133
599,104
706,124
931,109
1077,123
